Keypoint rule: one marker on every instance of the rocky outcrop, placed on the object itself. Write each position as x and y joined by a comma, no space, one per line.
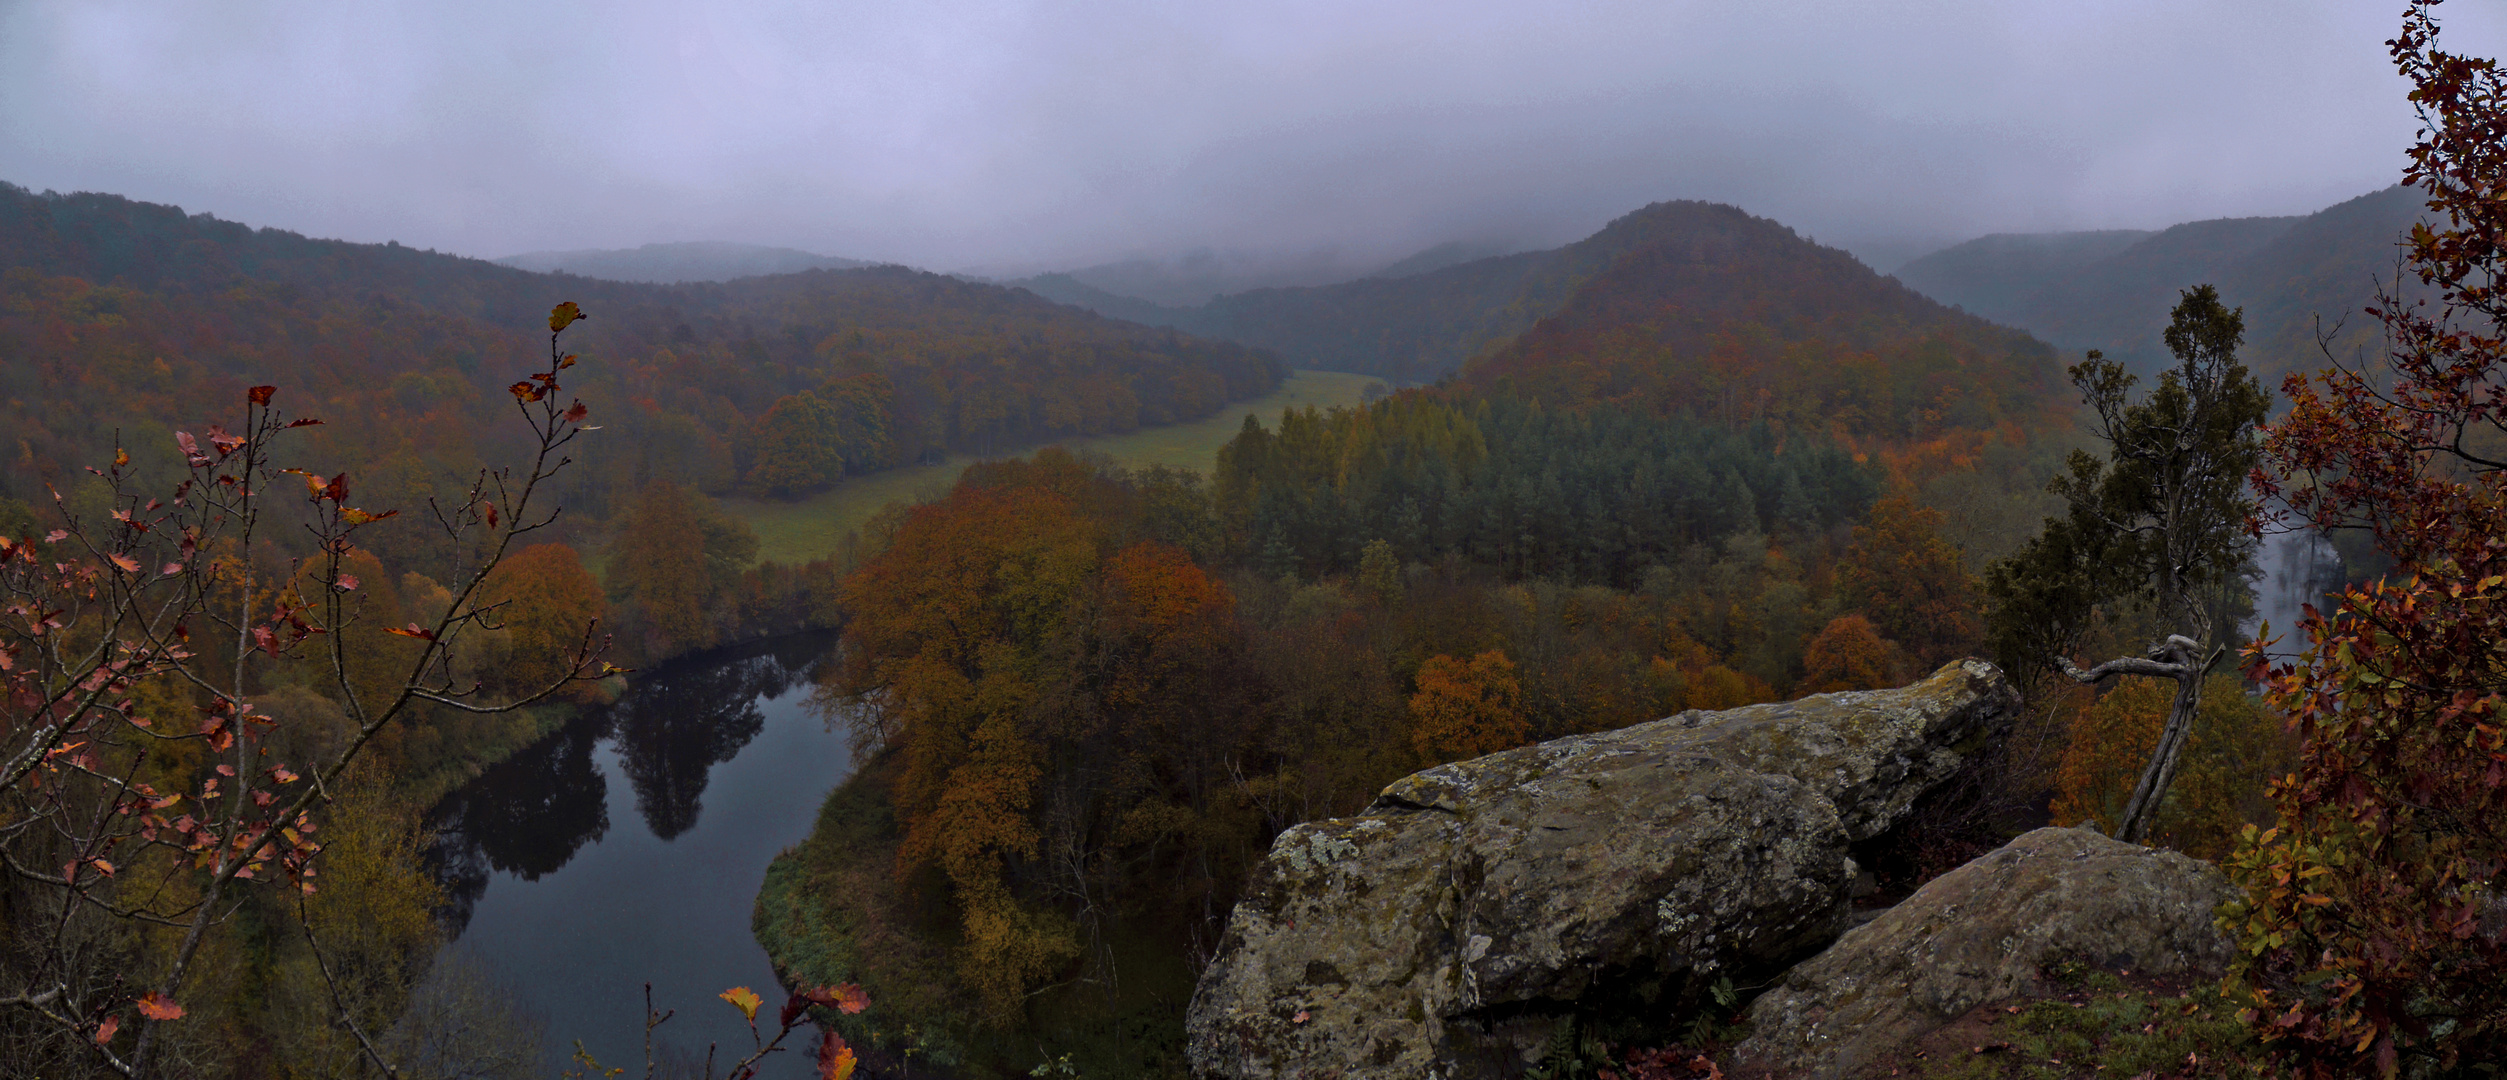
1984,933
1439,932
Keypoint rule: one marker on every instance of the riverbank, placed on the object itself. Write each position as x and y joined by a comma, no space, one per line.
831,910
625,849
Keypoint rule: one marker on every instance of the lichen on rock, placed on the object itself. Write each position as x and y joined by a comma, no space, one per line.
1471,903
1984,933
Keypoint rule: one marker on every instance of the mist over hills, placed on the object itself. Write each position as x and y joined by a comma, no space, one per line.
2112,291
667,264
1432,313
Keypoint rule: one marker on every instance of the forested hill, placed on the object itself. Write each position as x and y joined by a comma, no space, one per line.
1417,319
117,314
1416,326
1701,309
2087,291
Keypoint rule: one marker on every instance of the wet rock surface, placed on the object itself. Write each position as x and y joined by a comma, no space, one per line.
1983,933
1441,931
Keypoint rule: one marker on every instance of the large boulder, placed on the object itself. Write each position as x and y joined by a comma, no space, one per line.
1440,932
1984,933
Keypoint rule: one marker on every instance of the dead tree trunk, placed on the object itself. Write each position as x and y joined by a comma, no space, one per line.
2179,658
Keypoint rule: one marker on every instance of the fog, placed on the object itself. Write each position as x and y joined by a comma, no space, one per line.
1012,137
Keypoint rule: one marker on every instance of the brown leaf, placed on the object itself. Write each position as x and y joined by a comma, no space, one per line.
159,1008
260,395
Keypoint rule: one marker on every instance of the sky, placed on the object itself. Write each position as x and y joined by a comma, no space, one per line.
1013,136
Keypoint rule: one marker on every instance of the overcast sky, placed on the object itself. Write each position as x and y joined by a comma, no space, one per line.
1019,135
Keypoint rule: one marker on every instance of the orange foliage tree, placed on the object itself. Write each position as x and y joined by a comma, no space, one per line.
1466,708
1848,654
1911,583
942,661
543,599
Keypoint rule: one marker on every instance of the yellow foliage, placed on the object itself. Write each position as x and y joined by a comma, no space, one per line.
2236,746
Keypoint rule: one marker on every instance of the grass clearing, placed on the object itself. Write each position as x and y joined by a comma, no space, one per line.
813,528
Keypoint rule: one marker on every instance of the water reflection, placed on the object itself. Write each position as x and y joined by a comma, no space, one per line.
525,816
530,814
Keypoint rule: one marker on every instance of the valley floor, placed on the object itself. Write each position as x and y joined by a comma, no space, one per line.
813,528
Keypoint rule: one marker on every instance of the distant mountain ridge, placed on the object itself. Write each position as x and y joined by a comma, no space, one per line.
1439,311
2112,291
1414,320
669,264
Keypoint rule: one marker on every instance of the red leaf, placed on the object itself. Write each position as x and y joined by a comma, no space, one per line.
305,422
106,1030
491,514
261,394
848,997
346,583
127,564
414,630
577,412
159,1008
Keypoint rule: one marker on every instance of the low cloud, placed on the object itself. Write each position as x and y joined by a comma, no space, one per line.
1029,135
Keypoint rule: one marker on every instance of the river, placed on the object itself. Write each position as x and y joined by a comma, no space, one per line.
628,846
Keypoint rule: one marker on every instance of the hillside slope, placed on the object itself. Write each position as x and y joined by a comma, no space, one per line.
2086,292
1997,276
116,314
1707,311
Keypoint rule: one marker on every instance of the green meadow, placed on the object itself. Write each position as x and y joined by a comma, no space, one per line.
812,528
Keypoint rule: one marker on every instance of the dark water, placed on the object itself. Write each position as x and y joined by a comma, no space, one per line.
628,848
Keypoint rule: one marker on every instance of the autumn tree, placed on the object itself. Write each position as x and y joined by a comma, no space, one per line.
677,556
2159,523
2374,931
1911,583
941,664
1466,707
1847,654
541,598
145,802
2235,746
796,447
